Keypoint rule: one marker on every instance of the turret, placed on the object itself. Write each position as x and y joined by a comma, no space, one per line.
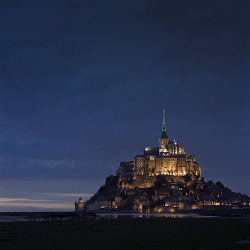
193,157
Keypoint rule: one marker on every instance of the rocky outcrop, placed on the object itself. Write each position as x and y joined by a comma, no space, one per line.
162,179
121,194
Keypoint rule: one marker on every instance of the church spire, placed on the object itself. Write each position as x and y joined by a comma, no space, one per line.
164,133
163,124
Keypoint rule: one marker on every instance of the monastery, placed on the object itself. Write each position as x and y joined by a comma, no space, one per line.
167,159
162,179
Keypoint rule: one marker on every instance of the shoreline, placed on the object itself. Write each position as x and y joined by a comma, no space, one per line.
73,216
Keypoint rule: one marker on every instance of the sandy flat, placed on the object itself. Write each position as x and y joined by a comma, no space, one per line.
8,218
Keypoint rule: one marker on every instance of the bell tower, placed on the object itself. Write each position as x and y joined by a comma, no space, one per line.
164,136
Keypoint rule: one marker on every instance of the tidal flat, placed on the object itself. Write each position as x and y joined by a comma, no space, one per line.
127,233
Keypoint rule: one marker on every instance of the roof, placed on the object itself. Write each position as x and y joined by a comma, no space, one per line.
164,134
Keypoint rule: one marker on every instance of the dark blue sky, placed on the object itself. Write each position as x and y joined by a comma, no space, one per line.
83,85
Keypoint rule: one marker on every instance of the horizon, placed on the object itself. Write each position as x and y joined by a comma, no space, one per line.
83,86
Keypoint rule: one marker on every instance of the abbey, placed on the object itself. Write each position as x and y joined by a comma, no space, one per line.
162,179
167,159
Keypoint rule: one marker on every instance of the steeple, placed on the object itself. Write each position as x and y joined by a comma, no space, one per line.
164,133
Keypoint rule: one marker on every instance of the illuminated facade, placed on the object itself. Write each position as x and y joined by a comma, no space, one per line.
163,179
79,206
167,159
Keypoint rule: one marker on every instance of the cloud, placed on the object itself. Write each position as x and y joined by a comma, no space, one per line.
45,194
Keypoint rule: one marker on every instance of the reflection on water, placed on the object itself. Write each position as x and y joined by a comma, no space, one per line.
147,215
12,218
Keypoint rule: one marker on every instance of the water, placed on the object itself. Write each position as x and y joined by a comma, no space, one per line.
10,218
13,218
150,215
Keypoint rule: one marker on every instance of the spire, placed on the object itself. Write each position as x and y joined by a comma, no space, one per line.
164,133
163,123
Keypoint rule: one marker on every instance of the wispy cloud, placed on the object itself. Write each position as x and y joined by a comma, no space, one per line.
65,194
56,194
20,200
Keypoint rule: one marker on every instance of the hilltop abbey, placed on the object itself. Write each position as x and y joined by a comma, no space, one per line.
162,179
167,159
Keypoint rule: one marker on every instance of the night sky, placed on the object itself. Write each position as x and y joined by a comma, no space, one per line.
83,85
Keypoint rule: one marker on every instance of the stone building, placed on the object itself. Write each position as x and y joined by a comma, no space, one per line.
162,179
101,203
169,158
79,206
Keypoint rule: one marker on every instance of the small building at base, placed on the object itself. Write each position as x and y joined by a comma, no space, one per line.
79,206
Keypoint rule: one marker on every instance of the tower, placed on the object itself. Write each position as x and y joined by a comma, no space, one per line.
164,136
79,206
